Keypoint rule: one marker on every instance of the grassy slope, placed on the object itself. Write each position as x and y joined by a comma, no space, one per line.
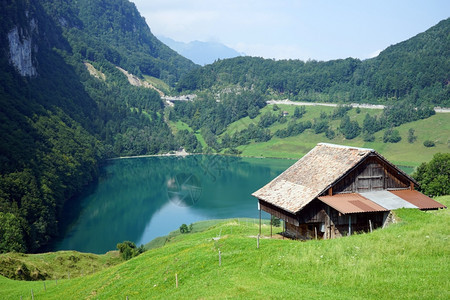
53,265
405,260
436,128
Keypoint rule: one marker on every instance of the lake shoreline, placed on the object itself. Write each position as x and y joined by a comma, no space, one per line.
184,154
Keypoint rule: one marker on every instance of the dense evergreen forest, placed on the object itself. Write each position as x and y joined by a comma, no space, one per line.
60,121
416,70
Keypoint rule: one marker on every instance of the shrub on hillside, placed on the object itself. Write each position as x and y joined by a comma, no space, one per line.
391,136
129,250
428,143
434,176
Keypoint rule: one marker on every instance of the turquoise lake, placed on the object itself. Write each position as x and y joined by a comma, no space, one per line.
138,199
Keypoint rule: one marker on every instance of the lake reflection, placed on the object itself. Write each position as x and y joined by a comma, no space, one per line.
139,199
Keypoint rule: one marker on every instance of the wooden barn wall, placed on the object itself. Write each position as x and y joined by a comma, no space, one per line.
372,175
323,220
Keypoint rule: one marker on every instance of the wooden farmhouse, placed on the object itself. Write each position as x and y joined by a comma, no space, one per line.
337,190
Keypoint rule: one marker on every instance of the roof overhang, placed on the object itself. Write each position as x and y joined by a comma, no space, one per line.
351,203
379,201
418,199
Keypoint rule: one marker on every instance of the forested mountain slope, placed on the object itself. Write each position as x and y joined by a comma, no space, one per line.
416,70
57,121
113,30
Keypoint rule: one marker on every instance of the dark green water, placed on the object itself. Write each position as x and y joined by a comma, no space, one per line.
139,199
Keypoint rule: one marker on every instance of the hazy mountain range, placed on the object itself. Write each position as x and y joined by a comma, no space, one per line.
201,53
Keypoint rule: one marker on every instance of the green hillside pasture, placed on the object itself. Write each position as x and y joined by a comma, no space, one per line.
157,83
408,260
180,125
54,265
436,128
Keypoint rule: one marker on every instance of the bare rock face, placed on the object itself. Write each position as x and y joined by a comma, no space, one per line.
21,50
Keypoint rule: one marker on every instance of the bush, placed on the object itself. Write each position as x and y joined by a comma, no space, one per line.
129,250
330,134
434,177
184,228
391,136
411,137
428,143
368,137
274,221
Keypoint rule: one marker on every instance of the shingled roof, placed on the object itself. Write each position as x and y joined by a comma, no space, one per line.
310,176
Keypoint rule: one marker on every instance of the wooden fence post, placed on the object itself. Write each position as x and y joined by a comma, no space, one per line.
315,231
257,242
370,225
32,295
176,280
220,258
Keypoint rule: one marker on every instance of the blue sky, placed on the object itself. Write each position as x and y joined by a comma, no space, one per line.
320,30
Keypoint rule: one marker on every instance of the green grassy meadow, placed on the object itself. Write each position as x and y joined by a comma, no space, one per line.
435,128
407,260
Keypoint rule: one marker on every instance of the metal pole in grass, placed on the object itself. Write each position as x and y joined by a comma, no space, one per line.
176,280
257,242
32,295
259,208
270,226
220,258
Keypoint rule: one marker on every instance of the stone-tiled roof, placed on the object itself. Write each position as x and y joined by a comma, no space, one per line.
311,176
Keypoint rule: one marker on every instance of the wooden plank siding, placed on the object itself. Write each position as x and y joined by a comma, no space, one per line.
373,175
323,219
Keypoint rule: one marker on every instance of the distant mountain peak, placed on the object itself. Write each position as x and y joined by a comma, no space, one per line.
199,52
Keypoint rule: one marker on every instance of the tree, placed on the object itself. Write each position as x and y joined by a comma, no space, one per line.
184,228
274,221
11,234
411,137
434,176
252,111
299,112
129,250
330,134
350,129
391,136
368,137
